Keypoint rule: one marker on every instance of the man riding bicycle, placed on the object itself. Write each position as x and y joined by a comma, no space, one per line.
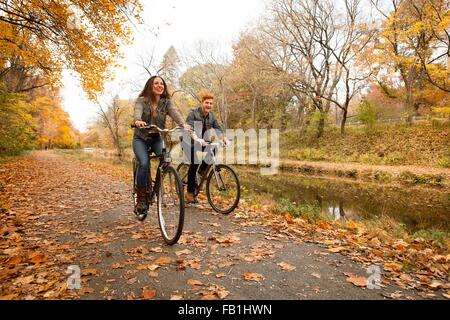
202,120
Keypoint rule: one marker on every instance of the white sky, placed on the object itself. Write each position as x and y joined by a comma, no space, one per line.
181,23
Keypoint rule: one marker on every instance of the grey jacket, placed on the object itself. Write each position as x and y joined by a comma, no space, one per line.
195,120
143,110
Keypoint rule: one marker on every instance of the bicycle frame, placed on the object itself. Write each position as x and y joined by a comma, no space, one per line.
208,169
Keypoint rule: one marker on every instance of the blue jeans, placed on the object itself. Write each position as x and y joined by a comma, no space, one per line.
140,147
192,158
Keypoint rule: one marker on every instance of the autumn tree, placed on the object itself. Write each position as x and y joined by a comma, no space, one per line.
169,68
318,43
55,127
414,41
18,127
81,35
115,116
215,67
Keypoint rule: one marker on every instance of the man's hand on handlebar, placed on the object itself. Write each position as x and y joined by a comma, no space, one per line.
225,141
201,141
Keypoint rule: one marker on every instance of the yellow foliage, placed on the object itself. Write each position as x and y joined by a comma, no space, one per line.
82,35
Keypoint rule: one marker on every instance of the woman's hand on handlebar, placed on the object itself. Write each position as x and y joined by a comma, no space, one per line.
187,127
140,124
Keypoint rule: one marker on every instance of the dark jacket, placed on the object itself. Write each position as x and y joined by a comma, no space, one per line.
195,120
142,112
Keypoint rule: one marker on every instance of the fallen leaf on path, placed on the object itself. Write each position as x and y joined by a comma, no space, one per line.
13,261
148,294
164,260
193,282
356,280
38,258
183,252
286,266
176,297
228,240
253,276
316,275
393,266
89,272
193,264
336,249
86,290
9,297
394,295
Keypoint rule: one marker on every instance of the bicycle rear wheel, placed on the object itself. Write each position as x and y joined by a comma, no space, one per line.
170,205
223,189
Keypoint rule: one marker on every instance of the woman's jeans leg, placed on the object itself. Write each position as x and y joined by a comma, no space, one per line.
140,147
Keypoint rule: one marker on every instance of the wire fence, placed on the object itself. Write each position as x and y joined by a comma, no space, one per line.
414,119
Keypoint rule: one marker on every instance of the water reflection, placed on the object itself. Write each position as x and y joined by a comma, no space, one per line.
416,208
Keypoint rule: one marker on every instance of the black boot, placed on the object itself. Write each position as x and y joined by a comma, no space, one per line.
141,205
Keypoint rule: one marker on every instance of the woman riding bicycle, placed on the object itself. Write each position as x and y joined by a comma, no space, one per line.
151,107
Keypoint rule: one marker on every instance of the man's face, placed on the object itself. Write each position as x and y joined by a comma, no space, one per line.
207,106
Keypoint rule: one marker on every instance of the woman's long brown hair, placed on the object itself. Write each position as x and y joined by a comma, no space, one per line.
148,92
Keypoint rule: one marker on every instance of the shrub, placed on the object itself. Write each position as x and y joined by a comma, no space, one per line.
367,113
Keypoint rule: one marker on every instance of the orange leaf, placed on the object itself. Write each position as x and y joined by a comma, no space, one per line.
164,260
148,294
38,258
336,249
13,261
356,280
393,266
186,252
286,266
252,276
193,282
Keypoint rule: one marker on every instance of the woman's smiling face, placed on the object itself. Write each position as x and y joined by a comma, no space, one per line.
158,86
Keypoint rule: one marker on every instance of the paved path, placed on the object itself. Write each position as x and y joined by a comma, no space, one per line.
70,214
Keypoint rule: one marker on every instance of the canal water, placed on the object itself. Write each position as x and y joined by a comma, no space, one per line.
417,209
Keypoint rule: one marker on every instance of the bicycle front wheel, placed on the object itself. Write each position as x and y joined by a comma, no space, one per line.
170,205
223,189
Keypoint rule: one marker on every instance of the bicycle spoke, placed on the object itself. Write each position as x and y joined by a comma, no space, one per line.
170,206
223,189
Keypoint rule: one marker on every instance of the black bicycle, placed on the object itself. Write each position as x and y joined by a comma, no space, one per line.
167,188
223,188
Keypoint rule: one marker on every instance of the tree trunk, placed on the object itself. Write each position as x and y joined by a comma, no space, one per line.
409,104
320,127
254,106
343,121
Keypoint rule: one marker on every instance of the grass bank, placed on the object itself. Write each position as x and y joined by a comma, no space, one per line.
387,144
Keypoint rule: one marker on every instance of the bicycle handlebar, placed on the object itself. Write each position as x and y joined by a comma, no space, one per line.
152,126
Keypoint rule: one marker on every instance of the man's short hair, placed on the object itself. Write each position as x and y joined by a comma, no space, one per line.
207,96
